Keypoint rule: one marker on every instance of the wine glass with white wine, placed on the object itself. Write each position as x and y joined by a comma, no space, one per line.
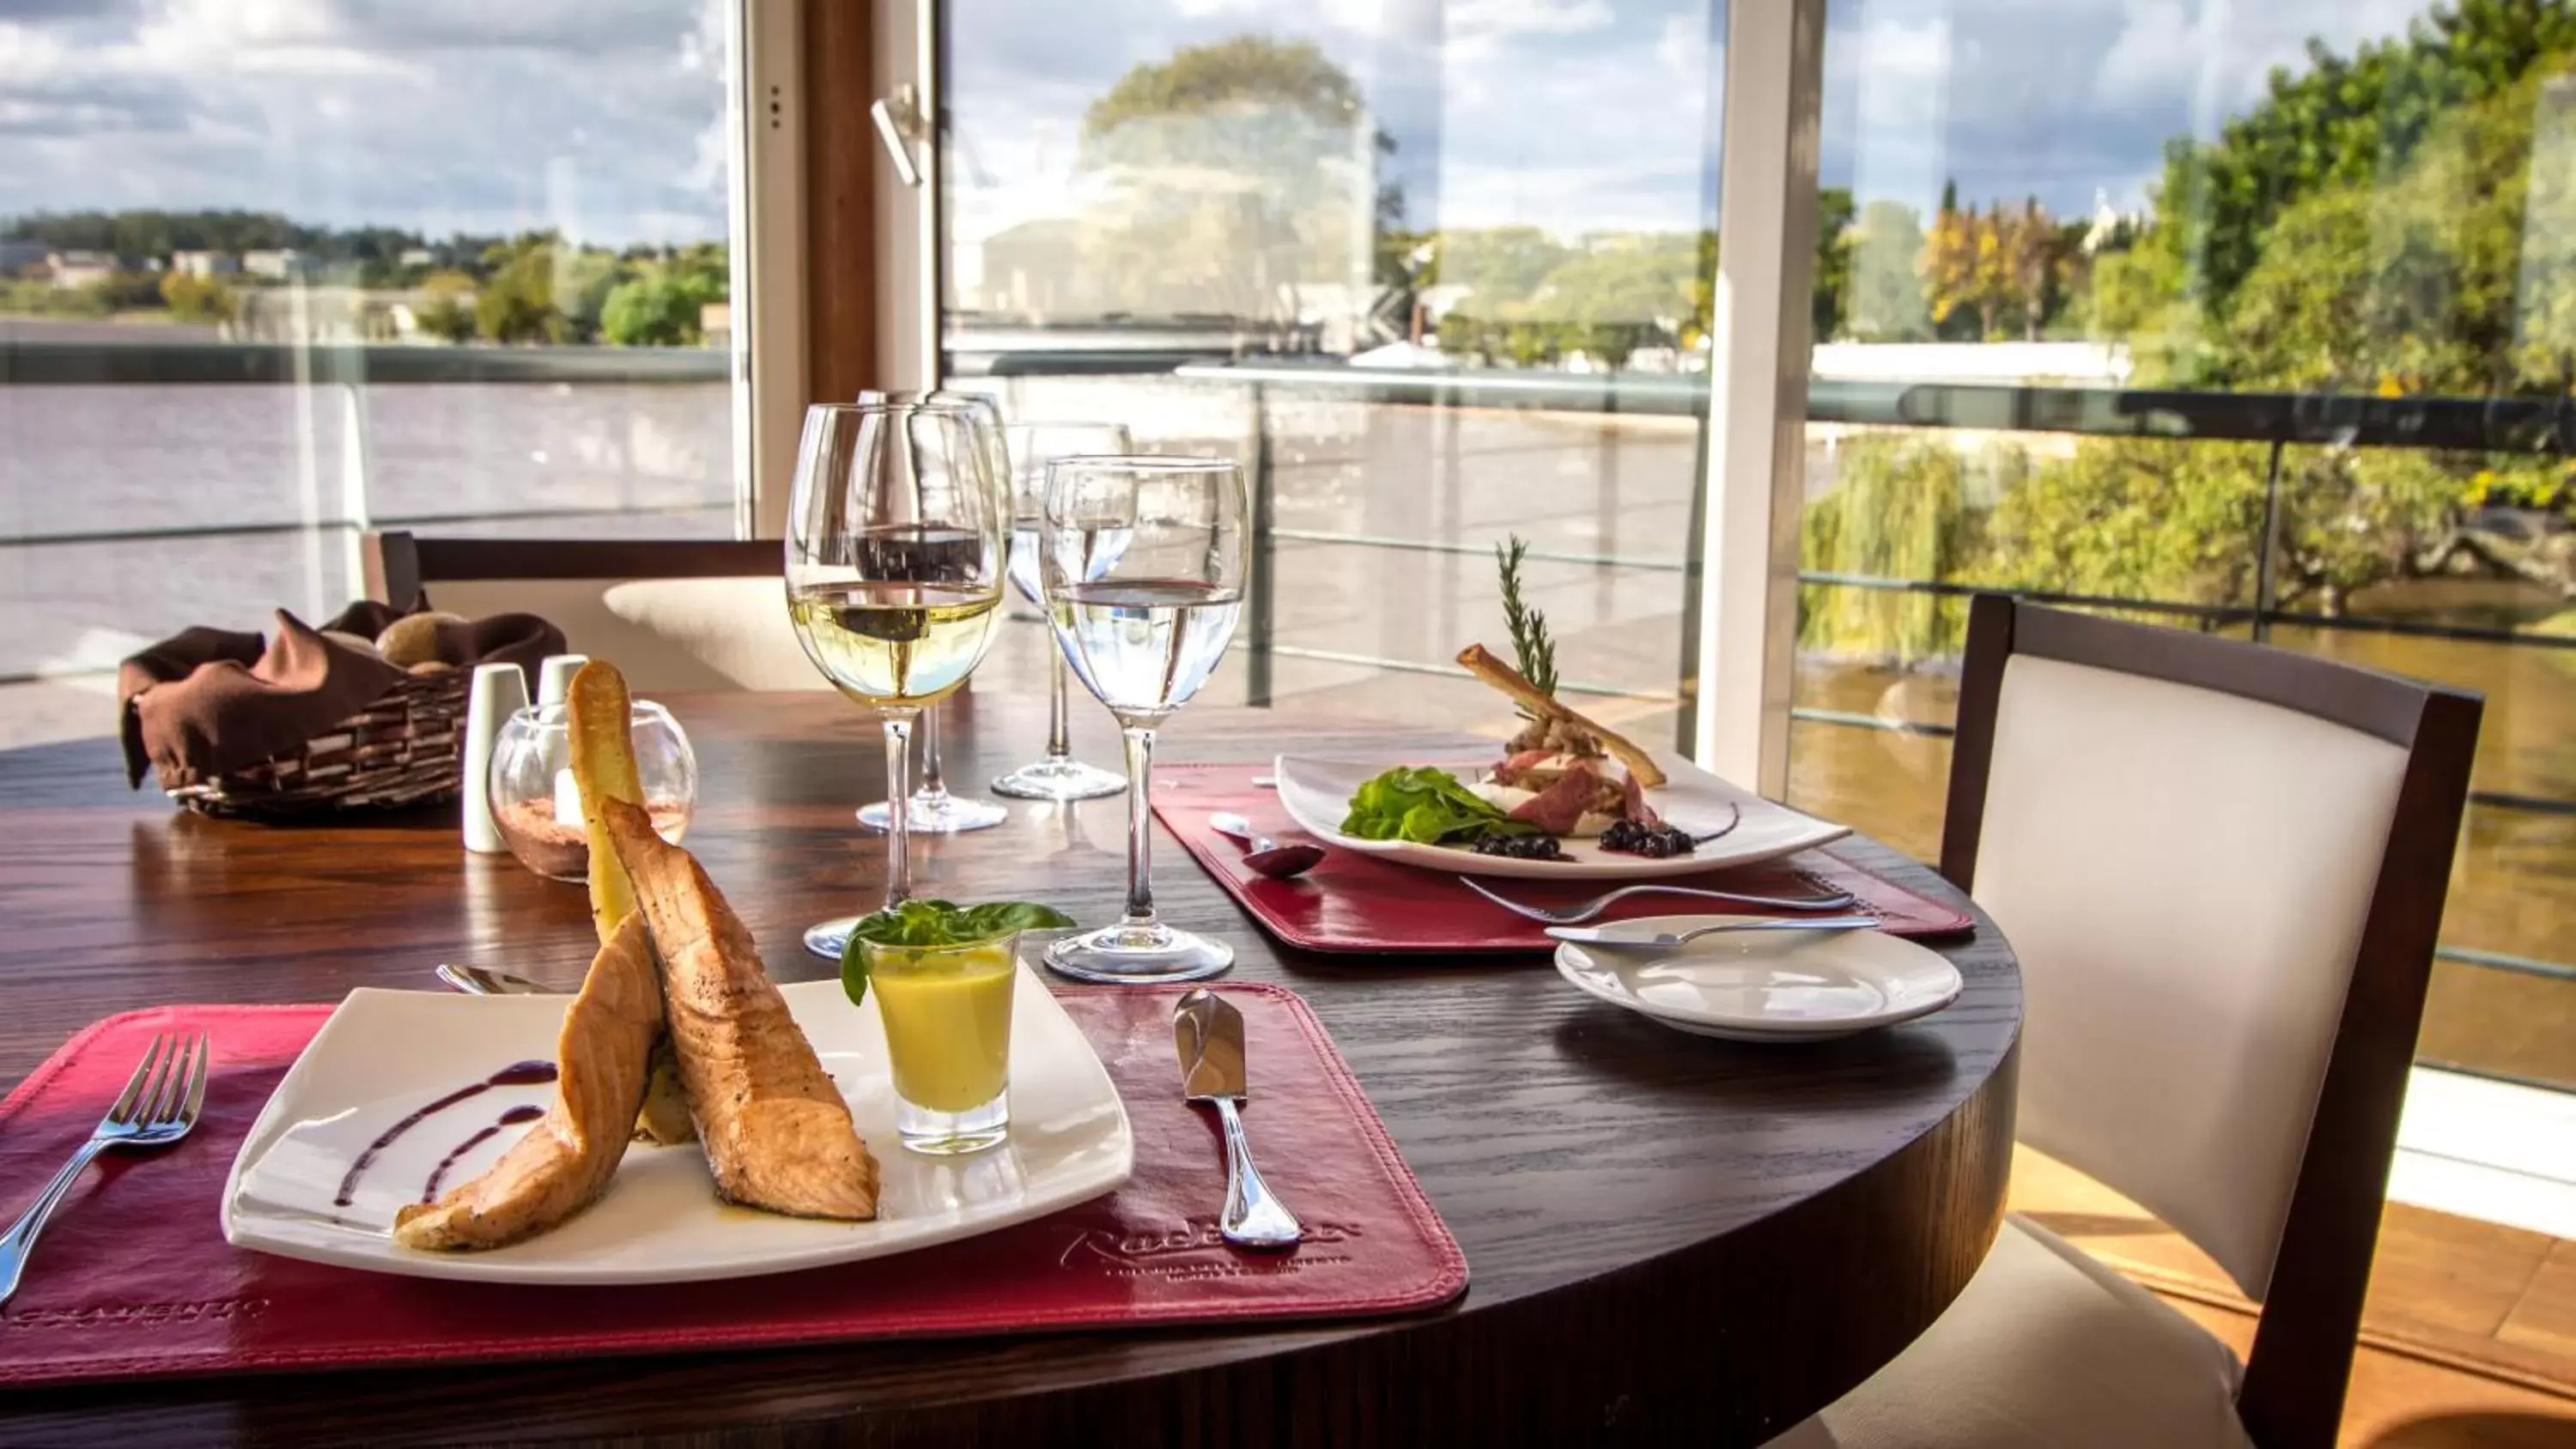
895,538
1142,563
1059,776
935,810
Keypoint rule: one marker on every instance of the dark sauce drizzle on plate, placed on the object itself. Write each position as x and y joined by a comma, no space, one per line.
511,1118
517,1074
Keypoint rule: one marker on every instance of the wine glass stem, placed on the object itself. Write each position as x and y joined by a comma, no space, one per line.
1140,826
898,750
1059,731
933,784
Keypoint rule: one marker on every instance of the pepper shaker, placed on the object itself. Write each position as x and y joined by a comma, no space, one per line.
498,692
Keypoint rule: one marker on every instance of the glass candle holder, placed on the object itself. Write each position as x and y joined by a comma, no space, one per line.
537,808
947,1015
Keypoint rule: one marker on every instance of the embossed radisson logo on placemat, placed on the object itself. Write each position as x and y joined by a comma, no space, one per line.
1196,1249
127,1314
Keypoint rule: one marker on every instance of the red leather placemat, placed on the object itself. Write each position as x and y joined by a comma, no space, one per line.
134,1277
1358,903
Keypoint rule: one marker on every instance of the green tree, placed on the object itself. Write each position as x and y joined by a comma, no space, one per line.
1238,169
2449,273
192,298
516,302
2342,122
446,308
1503,265
1619,293
1899,509
660,306
583,280
1835,238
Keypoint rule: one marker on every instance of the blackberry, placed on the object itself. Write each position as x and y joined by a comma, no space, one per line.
1521,847
1623,835
1655,844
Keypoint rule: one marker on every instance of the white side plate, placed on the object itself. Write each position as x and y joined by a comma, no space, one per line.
1316,793
1770,986
385,1054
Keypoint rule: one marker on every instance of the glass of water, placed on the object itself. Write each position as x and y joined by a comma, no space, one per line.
1141,560
1033,446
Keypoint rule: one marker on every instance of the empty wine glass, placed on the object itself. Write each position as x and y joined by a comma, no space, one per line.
1033,446
895,536
932,809
1142,563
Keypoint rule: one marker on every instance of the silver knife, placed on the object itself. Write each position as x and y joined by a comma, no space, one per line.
1208,1033
483,981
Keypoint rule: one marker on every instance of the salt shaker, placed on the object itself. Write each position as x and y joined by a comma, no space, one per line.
554,677
499,691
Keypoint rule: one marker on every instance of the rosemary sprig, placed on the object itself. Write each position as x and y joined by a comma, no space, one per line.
1533,650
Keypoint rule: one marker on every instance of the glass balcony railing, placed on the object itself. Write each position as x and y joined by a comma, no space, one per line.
1381,494
151,486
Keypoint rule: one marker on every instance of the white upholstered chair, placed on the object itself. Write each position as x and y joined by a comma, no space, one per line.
672,615
2222,868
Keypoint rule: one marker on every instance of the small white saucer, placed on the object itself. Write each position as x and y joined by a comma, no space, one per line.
1766,986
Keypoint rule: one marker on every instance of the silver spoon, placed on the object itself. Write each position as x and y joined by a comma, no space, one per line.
1664,941
1264,855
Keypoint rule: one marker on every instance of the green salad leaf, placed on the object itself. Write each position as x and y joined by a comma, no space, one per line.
925,922
1427,806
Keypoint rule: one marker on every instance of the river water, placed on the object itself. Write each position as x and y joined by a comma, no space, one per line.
1366,613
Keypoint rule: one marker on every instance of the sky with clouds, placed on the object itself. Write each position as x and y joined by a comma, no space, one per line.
604,117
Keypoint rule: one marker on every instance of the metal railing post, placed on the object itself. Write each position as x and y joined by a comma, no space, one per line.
356,454
2265,597
1265,621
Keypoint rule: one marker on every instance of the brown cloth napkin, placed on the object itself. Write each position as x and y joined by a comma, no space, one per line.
208,701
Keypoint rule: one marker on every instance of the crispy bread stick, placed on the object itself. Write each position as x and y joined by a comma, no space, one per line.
603,768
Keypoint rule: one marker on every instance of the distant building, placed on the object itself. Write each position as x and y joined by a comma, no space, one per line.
418,257
1034,271
16,257
277,263
327,315
79,269
715,320
205,264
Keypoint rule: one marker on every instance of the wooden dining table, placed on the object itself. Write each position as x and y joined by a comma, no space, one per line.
1670,1239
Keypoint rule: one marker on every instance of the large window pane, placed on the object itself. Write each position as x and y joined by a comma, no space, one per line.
267,272
2030,221
1274,232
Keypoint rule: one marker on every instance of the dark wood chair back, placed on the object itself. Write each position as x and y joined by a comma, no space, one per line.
2330,1174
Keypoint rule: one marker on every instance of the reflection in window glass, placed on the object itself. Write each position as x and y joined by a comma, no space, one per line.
2365,207
1147,216
474,257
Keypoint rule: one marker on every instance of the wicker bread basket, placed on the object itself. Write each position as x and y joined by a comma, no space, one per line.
403,749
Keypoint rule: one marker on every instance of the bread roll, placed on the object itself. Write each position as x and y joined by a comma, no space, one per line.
414,639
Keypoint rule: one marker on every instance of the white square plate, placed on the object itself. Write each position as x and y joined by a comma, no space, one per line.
1317,795
386,1054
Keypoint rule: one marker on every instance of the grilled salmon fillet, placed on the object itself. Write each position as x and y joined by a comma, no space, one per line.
774,1127
565,1161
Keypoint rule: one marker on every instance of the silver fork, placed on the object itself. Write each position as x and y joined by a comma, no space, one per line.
1569,915
158,1106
